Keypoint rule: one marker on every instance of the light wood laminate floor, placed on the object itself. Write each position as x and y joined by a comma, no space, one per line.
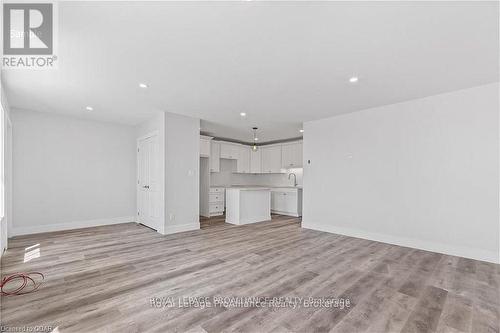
103,279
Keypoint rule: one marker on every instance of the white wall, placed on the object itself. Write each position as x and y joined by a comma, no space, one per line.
423,173
71,173
182,164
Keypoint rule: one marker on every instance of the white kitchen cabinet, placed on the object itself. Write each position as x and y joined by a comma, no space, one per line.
205,146
291,155
215,156
243,161
255,161
271,159
229,150
216,201
286,201
277,201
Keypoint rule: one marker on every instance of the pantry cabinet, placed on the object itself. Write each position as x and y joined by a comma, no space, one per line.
214,156
205,145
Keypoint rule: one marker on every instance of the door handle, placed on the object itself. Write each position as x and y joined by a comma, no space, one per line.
146,186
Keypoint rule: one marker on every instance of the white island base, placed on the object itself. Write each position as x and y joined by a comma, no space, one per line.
248,205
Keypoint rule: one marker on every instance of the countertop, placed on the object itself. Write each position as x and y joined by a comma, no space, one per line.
249,188
260,187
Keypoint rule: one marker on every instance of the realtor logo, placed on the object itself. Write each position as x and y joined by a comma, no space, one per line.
28,35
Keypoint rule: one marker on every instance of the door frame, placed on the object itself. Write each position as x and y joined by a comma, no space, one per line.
6,174
137,181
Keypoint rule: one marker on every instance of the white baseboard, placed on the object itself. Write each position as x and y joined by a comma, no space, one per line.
173,229
250,220
284,213
477,254
36,229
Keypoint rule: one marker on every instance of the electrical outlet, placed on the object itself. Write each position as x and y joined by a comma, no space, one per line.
171,217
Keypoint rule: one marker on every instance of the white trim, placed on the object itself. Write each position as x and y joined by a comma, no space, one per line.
172,229
250,220
284,213
16,231
466,252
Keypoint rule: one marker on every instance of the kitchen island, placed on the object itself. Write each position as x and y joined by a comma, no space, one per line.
248,204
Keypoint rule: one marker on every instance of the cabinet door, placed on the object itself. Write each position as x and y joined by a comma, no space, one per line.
256,161
225,150
228,150
298,155
290,202
235,152
291,155
243,162
204,148
215,157
271,159
287,155
277,201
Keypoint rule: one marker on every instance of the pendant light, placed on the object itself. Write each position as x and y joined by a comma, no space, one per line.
254,146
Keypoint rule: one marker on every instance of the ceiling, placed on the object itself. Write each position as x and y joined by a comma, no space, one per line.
282,63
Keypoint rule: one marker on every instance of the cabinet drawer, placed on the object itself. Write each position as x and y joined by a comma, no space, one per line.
217,190
216,197
216,208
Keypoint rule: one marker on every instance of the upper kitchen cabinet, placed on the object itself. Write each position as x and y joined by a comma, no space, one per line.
215,156
243,161
271,159
205,145
291,155
256,161
229,150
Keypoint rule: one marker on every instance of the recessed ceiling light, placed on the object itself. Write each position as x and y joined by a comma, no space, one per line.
256,139
301,130
143,85
243,114
353,79
89,108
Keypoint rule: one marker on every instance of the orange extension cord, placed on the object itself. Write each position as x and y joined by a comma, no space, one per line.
27,281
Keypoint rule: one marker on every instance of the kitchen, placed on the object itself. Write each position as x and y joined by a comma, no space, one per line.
246,183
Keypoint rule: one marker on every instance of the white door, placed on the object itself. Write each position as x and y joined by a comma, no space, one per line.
148,186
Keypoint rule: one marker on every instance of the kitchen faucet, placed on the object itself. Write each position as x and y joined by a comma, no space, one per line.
294,178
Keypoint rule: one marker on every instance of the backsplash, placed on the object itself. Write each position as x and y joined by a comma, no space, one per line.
228,177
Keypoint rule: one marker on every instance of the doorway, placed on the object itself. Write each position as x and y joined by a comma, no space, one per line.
148,185
6,223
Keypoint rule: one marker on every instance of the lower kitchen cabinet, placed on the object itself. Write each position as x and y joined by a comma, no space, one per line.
286,201
216,201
